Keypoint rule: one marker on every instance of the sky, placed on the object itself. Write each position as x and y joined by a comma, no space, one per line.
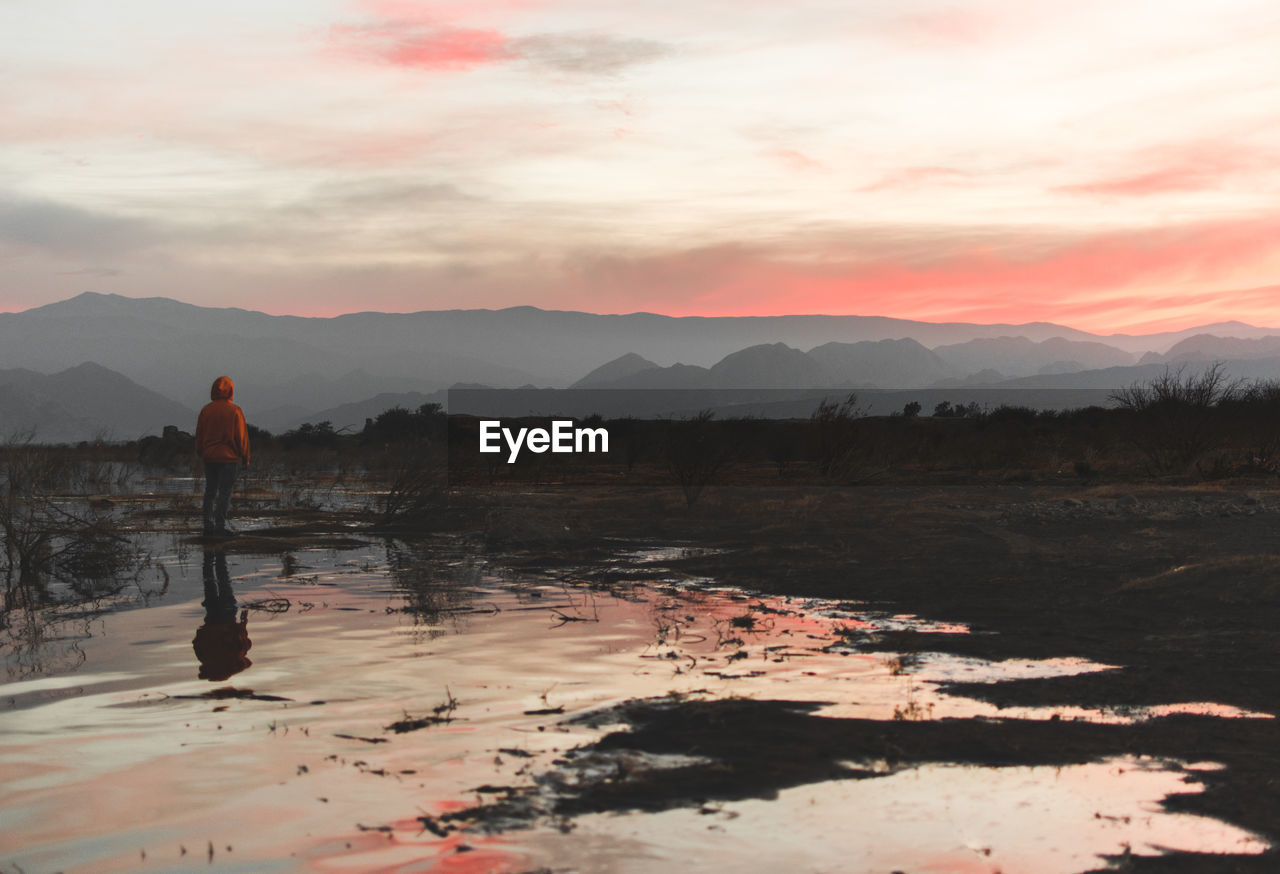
1112,165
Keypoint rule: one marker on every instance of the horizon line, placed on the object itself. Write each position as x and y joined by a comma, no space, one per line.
98,294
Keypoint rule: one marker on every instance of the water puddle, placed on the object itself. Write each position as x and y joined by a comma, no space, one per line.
345,698
931,818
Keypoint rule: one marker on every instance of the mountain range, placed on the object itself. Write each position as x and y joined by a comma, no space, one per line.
84,402
123,366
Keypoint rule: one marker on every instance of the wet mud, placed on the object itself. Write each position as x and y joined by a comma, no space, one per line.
1176,586
994,628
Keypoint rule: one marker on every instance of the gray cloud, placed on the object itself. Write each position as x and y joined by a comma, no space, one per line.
101,272
62,229
585,53
382,194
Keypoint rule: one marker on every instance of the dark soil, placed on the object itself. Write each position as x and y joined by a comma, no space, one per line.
1178,585
756,748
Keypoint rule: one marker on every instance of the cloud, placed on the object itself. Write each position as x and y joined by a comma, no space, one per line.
409,243
586,53
436,10
1179,168
28,224
949,26
101,272
418,42
423,46
362,196
1161,312
796,159
912,177
1099,280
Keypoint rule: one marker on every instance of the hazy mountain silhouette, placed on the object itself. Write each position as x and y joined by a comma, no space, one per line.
986,377
618,368
1019,356
1116,377
290,369
84,402
31,415
1208,347
351,417
676,376
283,402
900,363
883,363
1140,344
768,365
176,348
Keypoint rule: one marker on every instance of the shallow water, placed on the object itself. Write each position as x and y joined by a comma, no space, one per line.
113,760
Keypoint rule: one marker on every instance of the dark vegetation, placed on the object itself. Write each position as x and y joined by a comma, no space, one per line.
47,540
1183,425
1181,428
60,556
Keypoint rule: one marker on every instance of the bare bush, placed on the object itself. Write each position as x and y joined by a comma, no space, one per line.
842,449
696,452
75,542
60,548
1257,416
1177,413
415,486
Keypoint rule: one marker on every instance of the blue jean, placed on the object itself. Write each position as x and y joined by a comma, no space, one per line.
219,478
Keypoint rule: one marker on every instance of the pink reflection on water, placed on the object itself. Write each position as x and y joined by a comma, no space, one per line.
116,762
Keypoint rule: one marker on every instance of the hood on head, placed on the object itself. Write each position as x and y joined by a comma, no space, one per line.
222,389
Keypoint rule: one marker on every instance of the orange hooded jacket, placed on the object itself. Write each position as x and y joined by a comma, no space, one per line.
221,433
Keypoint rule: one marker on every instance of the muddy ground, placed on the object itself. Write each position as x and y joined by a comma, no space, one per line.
1178,584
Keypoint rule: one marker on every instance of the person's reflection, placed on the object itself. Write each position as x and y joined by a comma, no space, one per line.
221,644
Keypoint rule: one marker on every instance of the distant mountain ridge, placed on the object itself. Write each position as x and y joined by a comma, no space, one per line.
81,403
1210,347
619,368
290,369
880,364
901,363
176,348
1019,356
351,417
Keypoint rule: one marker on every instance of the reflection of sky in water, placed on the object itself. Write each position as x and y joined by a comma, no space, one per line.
102,762
931,818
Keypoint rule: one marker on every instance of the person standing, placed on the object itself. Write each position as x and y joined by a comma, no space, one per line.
222,442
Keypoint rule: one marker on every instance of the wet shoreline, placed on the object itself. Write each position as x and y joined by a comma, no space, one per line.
835,589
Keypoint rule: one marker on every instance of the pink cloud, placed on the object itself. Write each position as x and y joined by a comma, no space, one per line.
1175,312
1155,279
796,160
423,45
1101,282
407,35
951,25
